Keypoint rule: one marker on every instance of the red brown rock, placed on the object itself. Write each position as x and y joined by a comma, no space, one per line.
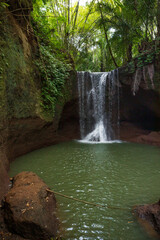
152,138
29,210
131,133
150,213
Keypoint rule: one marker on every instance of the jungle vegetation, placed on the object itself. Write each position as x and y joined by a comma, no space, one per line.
99,36
103,34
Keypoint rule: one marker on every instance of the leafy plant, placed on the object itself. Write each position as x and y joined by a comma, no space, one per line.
4,4
103,33
54,73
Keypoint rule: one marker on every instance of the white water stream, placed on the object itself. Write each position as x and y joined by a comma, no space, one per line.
99,106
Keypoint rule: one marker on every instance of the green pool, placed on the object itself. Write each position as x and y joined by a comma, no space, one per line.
117,174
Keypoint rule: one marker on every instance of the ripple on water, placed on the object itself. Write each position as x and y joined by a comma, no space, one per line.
109,174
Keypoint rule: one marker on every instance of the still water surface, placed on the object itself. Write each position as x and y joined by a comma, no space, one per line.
117,174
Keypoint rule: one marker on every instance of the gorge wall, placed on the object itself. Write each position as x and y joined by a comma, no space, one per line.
24,125
140,103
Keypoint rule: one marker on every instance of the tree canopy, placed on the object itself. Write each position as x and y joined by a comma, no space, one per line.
103,34
100,36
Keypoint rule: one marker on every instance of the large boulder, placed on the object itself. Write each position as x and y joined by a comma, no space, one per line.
29,209
151,214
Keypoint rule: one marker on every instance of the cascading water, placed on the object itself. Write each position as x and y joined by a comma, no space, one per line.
99,106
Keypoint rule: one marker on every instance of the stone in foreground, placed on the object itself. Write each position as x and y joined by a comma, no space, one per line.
150,213
29,210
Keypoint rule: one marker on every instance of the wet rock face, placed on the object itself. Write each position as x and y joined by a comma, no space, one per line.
29,210
143,109
150,213
4,178
140,116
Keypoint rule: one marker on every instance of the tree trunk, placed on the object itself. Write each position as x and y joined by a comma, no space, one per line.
158,18
106,36
68,12
129,53
102,58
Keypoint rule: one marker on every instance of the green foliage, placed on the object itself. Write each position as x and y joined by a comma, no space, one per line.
80,31
3,4
130,67
54,74
145,58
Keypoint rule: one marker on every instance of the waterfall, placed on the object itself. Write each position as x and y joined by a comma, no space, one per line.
99,105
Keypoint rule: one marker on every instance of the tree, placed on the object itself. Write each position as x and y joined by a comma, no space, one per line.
102,35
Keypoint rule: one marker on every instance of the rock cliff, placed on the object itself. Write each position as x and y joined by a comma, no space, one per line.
140,103
24,125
